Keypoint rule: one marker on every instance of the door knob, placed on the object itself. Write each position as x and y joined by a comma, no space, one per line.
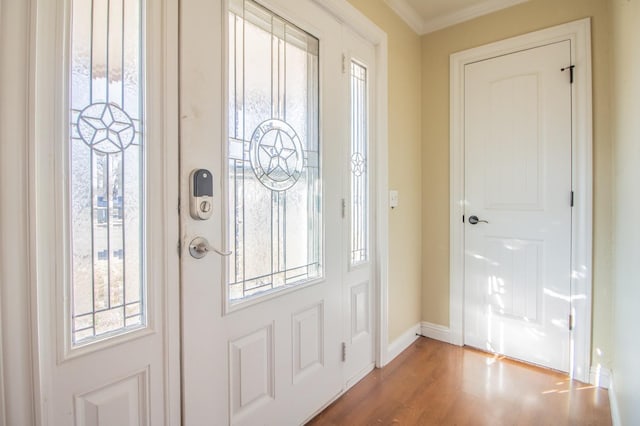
199,247
474,220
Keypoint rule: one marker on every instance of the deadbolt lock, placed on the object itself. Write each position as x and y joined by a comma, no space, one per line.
201,194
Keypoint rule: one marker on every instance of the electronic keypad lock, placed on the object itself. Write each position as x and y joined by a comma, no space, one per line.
201,194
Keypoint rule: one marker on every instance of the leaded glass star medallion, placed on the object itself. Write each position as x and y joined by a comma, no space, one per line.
358,164
105,127
276,155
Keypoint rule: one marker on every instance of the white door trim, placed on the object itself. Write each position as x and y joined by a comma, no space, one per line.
3,409
353,18
579,32
19,389
3,420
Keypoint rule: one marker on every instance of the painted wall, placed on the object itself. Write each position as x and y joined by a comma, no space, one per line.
626,234
436,48
405,167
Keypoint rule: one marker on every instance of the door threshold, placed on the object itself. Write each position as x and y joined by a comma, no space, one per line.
501,357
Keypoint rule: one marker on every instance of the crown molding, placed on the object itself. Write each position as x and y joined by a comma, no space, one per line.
467,14
408,14
426,26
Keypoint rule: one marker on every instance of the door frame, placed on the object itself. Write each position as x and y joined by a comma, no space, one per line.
359,23
579,33
17,359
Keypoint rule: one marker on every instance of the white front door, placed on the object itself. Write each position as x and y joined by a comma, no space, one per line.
263,122
518,205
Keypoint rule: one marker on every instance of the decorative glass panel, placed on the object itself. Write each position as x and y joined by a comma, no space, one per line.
359,165
274,224
106,169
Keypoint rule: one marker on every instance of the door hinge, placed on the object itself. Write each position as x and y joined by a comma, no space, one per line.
344,208
570,68
344,63
570,322
571,198
344,351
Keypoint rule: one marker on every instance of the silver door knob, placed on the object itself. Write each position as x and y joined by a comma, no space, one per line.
474,220
199,247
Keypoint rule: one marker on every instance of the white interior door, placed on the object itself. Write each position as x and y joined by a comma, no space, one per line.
518,193
262,325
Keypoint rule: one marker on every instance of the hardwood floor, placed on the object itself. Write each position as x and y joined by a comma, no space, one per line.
434,383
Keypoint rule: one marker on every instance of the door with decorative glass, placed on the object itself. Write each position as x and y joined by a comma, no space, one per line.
262,297
358,243
105,221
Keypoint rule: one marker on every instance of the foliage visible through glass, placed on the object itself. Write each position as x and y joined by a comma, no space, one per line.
359,165
274,224
106,169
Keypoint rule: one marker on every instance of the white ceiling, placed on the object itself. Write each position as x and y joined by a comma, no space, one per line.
425,16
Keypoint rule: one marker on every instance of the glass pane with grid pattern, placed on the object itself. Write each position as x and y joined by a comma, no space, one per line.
105,169
274,188
359,165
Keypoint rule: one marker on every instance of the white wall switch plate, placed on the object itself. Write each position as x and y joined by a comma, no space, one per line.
393,199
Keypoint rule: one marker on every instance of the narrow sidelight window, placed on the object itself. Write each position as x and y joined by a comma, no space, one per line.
106,169
359,165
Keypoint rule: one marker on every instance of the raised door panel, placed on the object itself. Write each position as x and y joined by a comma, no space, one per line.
308,341
513,162
252,372
123,403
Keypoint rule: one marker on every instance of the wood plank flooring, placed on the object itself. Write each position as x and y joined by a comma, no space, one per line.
434,383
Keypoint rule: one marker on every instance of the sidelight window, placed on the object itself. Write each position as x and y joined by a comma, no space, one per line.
359,165
106,169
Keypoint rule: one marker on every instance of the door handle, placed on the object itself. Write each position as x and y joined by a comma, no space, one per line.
199,247
474,220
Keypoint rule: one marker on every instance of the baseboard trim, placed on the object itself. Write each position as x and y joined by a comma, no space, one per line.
613,403
599,376
405,340
435,331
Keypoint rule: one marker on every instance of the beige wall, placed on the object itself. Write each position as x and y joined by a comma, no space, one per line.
405,168
626,236
436,48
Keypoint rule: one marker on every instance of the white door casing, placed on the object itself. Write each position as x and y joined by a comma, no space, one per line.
578,33
274,359
15,264
518,183
2,397
130,377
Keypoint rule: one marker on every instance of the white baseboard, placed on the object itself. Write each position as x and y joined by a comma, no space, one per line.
396,347
600,377
435,331
613,403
